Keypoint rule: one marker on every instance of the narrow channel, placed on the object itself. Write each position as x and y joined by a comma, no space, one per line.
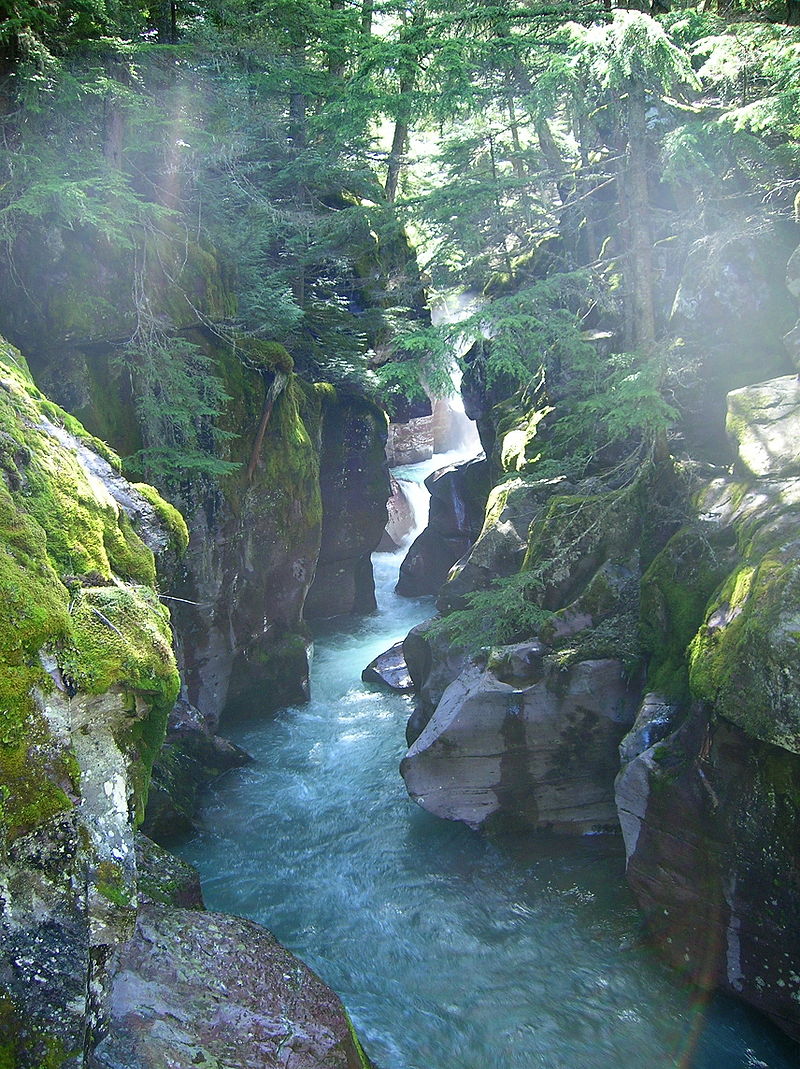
450,950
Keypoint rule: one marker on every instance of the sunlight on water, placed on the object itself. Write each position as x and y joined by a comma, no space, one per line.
449,951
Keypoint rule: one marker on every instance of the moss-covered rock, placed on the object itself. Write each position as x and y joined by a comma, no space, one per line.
87,678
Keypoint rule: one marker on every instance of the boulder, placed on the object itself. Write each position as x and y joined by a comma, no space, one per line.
543,752
764,424
410,442
202,989
400,518
389,668
191,757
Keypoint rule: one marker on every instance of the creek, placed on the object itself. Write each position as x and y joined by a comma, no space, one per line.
449,950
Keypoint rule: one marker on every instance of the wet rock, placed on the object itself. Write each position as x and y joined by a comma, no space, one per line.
191,757
654,721
710,817
544,753
458,496
433,663
201,989
400,518
390,669
410,442
164,878
355,487
764,423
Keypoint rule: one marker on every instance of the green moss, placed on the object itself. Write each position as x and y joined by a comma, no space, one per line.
120,634
287,479
263,355
18,1040
674,593
744,659
170,517
57,523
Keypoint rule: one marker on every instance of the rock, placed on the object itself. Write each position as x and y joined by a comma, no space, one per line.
390,669
501,544
190,758
355,488
164,878
87,679
410,442
654,721
745,656
543,753
710,818
764,423
458,496
433,664
400,518
201,989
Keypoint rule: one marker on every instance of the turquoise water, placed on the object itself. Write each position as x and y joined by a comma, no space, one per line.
450,951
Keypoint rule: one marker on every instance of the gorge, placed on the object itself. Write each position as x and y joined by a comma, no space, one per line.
250,248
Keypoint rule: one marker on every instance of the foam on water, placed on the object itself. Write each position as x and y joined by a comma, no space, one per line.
449,951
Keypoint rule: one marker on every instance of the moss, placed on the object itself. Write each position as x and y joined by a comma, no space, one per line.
121,634
18,1040
287,478
744,658
674,593
263,355
55,522
170,517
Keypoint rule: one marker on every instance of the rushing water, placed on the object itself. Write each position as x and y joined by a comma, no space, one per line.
450,951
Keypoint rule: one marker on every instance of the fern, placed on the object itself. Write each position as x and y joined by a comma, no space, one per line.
505,613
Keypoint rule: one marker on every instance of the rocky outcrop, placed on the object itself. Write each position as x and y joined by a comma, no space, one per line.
206,989
106,957
88,678
710,819
530,732
458,495
731,318
355,487
708,795
764,422
524,740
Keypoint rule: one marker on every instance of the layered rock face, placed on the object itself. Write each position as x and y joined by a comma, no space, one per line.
530,732
310,503
88,679
94,924
522,739
355,487
709,801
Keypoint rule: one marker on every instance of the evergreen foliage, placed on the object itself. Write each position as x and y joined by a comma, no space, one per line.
540,152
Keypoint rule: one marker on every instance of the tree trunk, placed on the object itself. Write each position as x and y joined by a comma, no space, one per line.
396,158
275,389
367,9
641,249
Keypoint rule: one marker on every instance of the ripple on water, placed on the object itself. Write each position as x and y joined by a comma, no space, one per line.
450,951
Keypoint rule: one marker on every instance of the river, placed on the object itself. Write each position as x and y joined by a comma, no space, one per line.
450,951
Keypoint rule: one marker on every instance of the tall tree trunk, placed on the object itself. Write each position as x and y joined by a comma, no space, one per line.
395,164
367,10
163,16
337,59
641,251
